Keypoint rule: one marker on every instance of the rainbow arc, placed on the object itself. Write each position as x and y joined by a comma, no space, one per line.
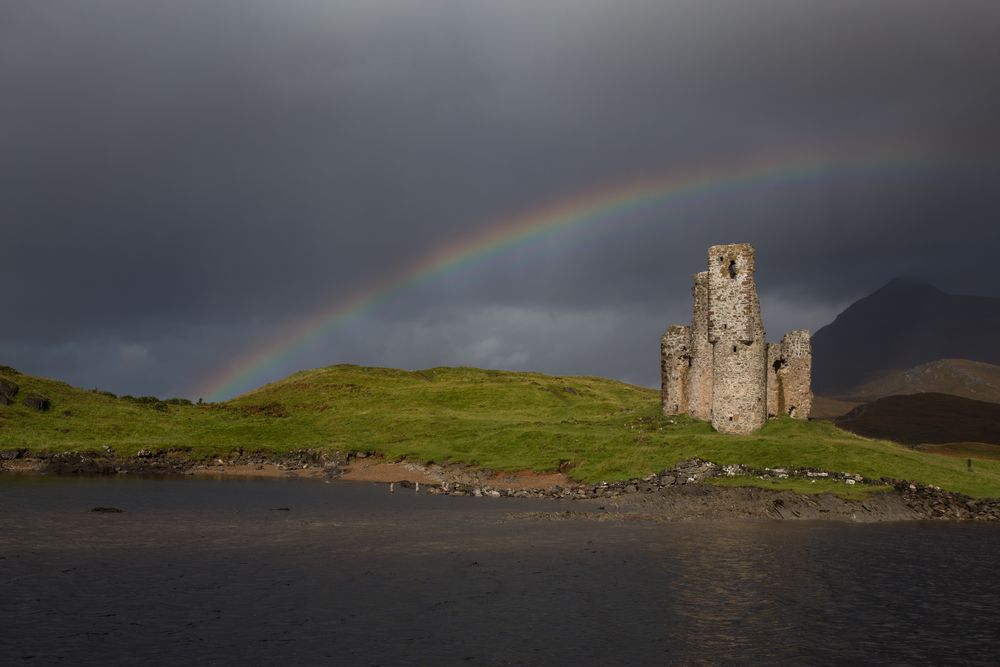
618,204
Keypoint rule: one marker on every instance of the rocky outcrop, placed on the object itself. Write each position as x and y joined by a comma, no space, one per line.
37,402
8,390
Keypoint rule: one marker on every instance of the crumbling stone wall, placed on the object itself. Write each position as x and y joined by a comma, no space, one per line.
675,361
735,329
774,363
700,376
793,375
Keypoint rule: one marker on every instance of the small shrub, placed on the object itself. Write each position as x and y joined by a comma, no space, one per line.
178,401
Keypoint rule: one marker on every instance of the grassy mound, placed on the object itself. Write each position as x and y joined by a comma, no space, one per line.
597,429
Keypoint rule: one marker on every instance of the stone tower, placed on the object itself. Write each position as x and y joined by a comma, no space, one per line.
735,330
700,376
789,376
720,368
675,359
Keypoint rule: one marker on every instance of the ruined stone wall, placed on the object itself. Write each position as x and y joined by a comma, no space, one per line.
789,376
774,362
796,374
735,329
675,360
699,391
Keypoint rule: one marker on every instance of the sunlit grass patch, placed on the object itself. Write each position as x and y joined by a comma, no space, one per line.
802,485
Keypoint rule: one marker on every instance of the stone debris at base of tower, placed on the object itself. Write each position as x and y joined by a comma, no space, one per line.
721,368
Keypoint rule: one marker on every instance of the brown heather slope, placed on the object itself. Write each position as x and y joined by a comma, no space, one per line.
825,407
926,418
958,377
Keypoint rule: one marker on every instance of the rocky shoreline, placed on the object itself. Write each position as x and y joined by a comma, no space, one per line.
677,493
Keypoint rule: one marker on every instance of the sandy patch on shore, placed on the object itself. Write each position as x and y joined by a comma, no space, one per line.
528,479
21,466
375,470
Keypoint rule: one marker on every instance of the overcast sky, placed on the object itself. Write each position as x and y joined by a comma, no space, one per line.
181,180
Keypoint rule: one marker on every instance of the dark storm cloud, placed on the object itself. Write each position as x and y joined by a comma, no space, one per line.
181,180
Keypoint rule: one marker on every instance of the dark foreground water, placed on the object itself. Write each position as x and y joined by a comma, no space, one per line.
210,572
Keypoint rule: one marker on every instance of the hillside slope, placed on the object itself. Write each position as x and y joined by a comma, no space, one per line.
594,428
902,325
959,377
926,418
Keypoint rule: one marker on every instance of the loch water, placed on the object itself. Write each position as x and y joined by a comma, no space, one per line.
305,573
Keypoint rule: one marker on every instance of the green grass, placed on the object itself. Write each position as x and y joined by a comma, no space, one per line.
801,485
604,430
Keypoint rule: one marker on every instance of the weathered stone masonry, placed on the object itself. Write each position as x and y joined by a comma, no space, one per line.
735,330
699,391
675,360
721,368
789,376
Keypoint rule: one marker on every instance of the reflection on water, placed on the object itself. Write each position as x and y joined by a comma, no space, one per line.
207,571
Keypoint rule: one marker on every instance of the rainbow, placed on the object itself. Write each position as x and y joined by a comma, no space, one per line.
606,206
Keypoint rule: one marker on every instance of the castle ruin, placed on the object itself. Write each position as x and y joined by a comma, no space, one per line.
721,368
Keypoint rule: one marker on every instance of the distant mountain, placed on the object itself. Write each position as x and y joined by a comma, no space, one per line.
904,324
959,377
925,418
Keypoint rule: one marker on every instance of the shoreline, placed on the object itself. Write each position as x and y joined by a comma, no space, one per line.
683,493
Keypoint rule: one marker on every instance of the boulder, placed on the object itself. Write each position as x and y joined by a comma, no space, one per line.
37,402
8,389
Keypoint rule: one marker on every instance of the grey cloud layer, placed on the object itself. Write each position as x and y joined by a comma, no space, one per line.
180,180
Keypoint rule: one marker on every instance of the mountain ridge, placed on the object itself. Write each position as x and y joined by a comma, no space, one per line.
903,324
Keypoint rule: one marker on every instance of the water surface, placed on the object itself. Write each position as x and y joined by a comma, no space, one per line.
215,572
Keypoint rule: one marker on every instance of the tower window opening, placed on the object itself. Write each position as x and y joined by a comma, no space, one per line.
732,269
734,348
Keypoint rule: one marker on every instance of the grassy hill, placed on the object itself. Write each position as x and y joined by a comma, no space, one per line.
597,429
